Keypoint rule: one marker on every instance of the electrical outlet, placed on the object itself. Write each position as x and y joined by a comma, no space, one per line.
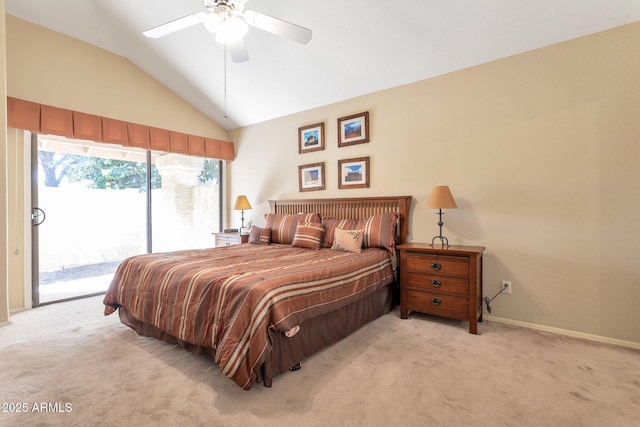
506,287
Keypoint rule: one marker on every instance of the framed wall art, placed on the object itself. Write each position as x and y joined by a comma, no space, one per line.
311,177
311,138
353,173
353,129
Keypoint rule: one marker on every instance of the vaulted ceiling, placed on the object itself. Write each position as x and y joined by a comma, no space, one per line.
358,46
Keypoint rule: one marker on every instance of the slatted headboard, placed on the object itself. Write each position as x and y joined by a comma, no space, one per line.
350,208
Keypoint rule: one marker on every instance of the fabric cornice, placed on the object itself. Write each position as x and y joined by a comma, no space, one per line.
49,120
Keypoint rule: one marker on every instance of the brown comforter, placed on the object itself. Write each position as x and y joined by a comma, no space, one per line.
226,298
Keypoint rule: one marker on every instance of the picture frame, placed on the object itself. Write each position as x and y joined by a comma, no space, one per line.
353,129
353,173
311,177
311,138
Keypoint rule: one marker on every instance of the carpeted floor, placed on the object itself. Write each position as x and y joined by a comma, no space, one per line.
67,364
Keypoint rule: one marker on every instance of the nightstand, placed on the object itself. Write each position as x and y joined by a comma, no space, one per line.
228,239
441,280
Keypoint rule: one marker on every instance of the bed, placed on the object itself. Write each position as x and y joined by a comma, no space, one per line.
260,308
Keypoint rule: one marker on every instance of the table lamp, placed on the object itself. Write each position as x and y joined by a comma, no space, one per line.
241,204
441,198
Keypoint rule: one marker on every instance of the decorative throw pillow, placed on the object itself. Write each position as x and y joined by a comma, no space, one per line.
259,236
348,240
330,228
380,231
308,235
283,226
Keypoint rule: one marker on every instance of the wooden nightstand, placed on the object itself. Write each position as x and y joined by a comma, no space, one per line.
445,281
228,239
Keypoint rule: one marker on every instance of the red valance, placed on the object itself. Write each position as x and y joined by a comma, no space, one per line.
23,115
87,126
48,120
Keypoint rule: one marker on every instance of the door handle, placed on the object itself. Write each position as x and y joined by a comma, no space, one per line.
36,216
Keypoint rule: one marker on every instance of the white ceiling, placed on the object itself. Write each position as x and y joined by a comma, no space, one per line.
358,46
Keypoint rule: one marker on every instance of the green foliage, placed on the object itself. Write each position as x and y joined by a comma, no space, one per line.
101,173
113,174
55,166
210,171
109,173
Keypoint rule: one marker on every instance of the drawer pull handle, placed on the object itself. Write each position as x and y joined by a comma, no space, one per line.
436,283
436,266
436,301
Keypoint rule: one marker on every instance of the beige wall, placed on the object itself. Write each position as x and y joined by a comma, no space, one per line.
4,279
16,249
541,153
50,68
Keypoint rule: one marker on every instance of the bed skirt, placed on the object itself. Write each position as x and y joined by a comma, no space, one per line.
284,352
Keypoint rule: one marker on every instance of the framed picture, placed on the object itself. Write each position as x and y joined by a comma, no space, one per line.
311,177
353,173
353,129
311,138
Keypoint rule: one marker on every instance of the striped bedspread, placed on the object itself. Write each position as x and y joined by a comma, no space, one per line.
227,298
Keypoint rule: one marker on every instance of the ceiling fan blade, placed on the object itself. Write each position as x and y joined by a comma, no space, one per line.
175,25
277,26
238,50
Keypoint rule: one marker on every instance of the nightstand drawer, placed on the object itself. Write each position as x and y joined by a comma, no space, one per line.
228,239
446,284
439,304
447,265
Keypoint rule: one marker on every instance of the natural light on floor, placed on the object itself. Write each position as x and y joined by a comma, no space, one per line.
73,288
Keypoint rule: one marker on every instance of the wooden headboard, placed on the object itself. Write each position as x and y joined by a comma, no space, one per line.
350,208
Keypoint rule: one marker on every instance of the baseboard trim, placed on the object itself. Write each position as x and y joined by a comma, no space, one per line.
566,332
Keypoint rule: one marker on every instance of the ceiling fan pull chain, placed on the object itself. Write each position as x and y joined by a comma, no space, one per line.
225,82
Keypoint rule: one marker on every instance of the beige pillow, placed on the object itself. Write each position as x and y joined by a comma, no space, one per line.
348,240
330,228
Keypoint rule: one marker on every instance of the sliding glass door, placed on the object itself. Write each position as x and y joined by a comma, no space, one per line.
91,214
96,204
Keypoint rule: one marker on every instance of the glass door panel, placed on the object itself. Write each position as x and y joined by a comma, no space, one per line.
94,201
186,205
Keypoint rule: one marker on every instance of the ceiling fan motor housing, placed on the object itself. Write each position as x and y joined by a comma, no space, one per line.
212,5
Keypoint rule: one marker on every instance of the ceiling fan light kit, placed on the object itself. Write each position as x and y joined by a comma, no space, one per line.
212,22
228,20
232,29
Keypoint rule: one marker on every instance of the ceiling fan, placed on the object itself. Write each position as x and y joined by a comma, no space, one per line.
229,20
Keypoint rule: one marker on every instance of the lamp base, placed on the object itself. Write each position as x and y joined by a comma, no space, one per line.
443,241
